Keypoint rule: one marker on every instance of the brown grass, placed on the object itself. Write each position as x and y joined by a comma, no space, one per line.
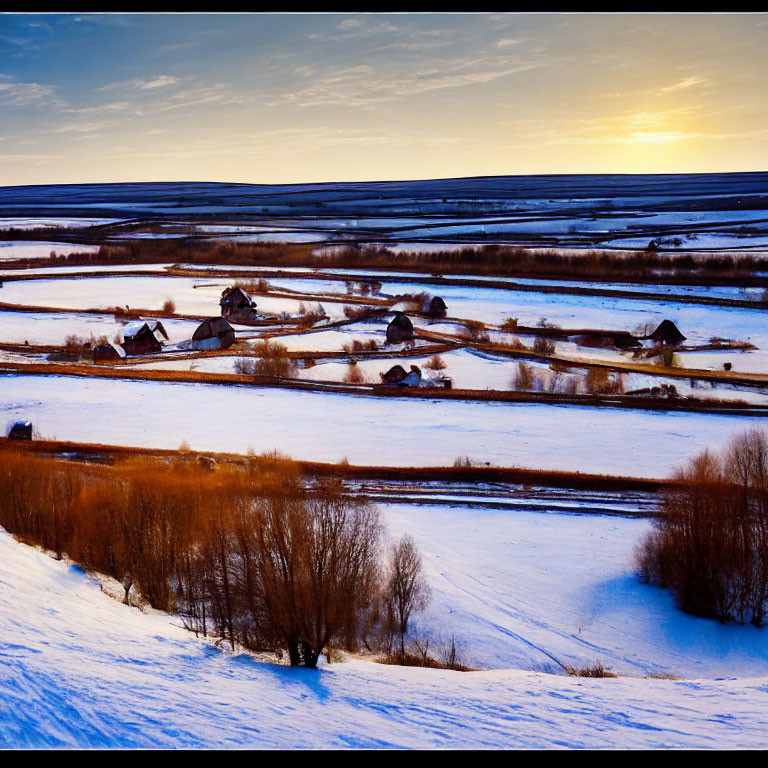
596,670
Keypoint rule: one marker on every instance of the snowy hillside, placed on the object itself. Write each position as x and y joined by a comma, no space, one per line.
81,670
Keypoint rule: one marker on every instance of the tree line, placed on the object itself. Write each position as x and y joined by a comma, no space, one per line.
709,545
247,553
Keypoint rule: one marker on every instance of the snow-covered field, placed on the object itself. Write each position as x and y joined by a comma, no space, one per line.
53,328
365,430
192,296
12,250
528,589
79,669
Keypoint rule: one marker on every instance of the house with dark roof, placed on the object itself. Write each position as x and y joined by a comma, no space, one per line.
397,376
436,307
106,352
667,334
20,430
400,329
143,337
214,333
236,305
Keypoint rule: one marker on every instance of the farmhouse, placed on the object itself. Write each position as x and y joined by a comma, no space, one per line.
400,329
668,334
237,305
214,333
143,337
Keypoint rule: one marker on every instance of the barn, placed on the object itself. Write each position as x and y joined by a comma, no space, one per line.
214,333
237,305
667,334
143,337
400,329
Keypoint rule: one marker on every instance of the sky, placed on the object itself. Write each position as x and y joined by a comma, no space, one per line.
282,98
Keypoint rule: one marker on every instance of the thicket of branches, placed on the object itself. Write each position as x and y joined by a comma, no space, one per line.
246,554
491,259
709,547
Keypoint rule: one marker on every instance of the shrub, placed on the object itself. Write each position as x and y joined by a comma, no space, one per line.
543,346
524,377
74,344
358,312
353,374
273,360
509,325
599,381
361,346
169,306
709,547
596,670
435,363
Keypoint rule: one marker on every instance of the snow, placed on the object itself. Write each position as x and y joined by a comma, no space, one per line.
522,589
57,271
192,296
12,250
35,222
365,430
83,670
53,328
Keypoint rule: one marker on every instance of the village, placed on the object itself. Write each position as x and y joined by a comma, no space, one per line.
521,429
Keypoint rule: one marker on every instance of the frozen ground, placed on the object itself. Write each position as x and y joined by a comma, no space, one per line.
82,670
366,430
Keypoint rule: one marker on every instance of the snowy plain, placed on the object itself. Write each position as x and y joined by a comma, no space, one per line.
366,430
79,669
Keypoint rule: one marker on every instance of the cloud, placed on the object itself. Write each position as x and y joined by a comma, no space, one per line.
143,84
116,106
684,84
21,94
363,85
349,24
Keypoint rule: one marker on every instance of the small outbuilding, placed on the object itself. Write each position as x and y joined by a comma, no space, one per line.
237,305
436,307
397,376
20,430
667,334
214,333
394,375
400,329
143,337
107,352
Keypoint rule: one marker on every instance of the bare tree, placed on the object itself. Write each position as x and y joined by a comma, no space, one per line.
407,591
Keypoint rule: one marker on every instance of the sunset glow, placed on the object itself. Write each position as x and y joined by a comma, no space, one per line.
314,97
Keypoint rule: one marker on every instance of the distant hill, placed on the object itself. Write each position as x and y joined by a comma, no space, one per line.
468,196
